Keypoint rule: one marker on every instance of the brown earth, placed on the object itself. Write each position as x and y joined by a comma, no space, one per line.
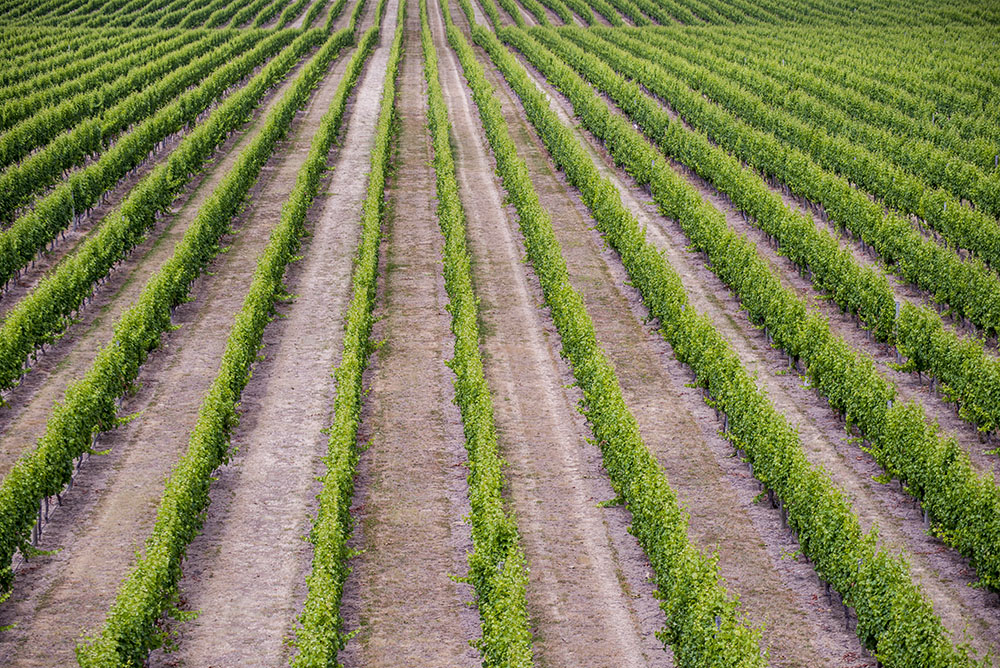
274,19
23,420
106,517
529,18
589,596
600,20
296,24
477,13
411,487
246,572
343,19
505,17
551,16
779,593
967,612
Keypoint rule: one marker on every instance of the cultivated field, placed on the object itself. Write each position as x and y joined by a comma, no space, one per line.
499,332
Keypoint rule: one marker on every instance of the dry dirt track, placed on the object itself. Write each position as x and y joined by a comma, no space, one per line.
970,614
411,493
246,572
589,598
111,510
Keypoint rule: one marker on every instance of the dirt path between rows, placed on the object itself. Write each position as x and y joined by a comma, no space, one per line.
246,573
910,385
944,575
23,421
301,18
58,597
411,494
477,13
777,592
64,245
589,596
552,16
600,19
505,18
345,15
529,18
274,19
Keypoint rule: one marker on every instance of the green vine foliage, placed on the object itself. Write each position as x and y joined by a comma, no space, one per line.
89,405
913,176
34,132
936,105
970,288
964,506
704,626
967,373
41,316
132,627
319,637
118,54
292,10
497,566
894,619
95,130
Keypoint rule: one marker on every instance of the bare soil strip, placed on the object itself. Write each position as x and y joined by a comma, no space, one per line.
45,261
411,490
552,16
22,422
245,574
967,612
779,593
301,18
477,12
320,19
529,18
589,595
910,385
505,18
97,534
277,16
599,19
345,15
